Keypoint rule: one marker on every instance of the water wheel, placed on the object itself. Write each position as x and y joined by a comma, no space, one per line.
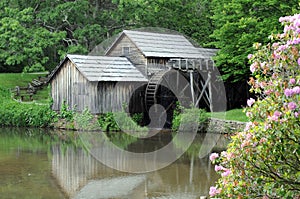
164,89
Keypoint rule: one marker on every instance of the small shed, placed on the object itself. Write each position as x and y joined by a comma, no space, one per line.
100,83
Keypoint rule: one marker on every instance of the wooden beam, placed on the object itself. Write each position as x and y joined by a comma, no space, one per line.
203,90
192,86
210,91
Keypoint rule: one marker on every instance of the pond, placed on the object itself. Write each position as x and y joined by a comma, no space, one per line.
39,163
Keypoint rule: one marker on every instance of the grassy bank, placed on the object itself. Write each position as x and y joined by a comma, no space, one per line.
234,114
11,80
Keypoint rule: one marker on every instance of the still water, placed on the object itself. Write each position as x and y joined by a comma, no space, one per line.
38,163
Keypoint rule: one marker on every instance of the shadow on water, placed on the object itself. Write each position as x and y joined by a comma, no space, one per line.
34,164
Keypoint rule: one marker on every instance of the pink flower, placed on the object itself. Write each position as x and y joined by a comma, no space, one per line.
277,113
292,106
253,67
298,61
250,102
213,156
250,56
292,81
267,126
288,92
219,168
248,126
268,92
275,116
224,154
249,114
296,114
296,90
227,172
214,191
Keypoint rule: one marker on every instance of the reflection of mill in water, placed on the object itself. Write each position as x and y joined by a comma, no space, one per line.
80,175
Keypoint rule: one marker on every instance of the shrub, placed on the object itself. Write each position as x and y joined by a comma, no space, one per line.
13,113
85,121
66,112
119,121
107,122
182,117
263,160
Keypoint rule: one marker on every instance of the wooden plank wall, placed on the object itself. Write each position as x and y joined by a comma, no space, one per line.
135,55
111,97
99,97
71,86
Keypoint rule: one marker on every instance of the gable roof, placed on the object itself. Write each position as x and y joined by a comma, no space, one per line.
164,45
103,68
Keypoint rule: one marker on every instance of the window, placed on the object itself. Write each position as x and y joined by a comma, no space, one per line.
126,51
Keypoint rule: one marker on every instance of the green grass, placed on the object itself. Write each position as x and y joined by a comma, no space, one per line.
11,80
234,114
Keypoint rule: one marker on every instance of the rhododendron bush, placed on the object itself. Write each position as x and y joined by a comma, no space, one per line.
263,161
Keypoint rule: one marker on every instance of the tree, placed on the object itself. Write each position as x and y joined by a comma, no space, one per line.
37,34
263,160
190,17
239,24
22,45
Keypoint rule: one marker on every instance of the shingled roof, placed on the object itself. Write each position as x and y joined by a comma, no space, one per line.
165,45
103,68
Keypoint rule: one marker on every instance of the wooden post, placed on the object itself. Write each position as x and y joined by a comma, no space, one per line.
210,92
192,86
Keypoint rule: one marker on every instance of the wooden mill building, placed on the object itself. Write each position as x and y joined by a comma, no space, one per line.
132,71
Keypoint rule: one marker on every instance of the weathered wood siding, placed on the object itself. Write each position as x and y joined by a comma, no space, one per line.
112,95
71,86
135,55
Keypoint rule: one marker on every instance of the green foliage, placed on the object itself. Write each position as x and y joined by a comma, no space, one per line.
66,113
13,113
23,44
107,122
137,118
34,35
196,22
182,117
238,24
126,123
85,121
120,121
263,160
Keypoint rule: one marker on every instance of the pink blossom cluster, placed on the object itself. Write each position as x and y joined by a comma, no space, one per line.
289,92
214,191
225,171
292,106
294,22
275,116
213,156
276,80
250,102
